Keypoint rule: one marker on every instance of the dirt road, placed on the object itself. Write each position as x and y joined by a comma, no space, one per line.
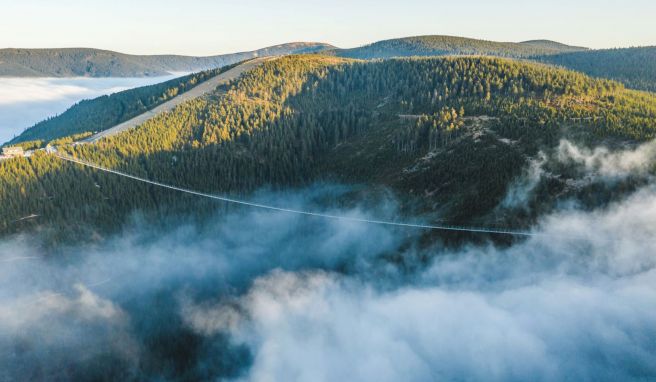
198,91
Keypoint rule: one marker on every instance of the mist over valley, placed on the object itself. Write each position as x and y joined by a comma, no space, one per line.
390,203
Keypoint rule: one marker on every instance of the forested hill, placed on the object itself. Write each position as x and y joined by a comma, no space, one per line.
84,62
449,45
447,136
552,46
635,67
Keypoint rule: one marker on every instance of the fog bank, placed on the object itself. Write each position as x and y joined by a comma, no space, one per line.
575,303
263,295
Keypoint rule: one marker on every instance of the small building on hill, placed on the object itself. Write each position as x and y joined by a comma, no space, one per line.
12,152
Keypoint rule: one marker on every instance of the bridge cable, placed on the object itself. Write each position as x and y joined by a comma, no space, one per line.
298,212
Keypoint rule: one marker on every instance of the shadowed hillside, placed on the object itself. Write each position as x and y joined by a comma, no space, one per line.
635,67
434,131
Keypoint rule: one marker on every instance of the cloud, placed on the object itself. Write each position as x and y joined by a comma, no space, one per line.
31,90
574,302
138,282
585,167
51,325
522,188
256,295
15,90
85,305
321,328
605,162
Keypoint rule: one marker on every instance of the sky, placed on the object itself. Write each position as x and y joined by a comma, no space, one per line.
206,27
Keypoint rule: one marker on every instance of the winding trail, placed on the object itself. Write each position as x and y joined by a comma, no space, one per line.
198,91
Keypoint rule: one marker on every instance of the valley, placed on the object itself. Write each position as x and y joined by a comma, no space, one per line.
420,208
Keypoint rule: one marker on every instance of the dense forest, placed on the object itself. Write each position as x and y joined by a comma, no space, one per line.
450,45
101,113
635,67
84,62
436,131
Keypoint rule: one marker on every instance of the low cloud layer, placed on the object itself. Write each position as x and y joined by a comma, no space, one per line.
317,327
259,295
124,298
575,302
580,167
609,163
520,190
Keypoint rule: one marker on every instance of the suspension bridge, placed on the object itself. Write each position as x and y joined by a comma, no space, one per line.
294,211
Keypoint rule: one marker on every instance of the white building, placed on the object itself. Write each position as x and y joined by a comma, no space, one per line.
12,152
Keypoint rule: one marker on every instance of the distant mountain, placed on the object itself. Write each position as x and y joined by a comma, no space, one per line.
449,45
635,67
554,46
85,62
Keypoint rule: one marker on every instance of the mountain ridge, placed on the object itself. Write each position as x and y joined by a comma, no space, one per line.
635,66
91,62
438,45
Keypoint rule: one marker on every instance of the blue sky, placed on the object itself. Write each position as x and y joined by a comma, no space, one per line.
204,27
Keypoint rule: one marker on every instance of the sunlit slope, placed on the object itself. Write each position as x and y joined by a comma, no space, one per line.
447,135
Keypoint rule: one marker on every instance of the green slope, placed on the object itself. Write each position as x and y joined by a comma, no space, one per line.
450,45
634,67
85,62
552,46
446,135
